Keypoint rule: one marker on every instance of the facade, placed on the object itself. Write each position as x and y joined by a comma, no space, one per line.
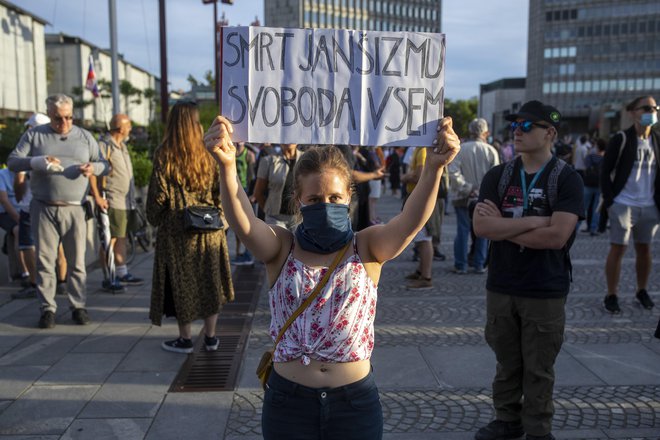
68,59
591,57
499,99
375,15
23,66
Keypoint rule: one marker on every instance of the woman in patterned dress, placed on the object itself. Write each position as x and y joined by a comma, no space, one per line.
192,275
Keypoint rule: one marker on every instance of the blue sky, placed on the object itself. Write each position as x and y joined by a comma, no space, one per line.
486,39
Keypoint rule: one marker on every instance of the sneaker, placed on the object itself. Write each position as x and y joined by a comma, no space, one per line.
178,345
414,276
80,316
612,304
644,299
113,286
500,430
540,437
132,280
27,293
244,259
47,319
60,289
211,344
479,270
420,284
25,281
439,256
458,271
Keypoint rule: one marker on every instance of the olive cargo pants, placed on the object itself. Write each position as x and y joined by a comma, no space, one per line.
526,335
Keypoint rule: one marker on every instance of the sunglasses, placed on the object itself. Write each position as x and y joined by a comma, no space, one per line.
649,108
525,126
60,119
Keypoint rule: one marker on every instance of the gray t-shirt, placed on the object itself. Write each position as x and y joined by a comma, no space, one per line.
73,149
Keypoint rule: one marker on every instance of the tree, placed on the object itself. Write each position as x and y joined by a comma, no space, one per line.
462,112
210,79
127,90
192,80
78,102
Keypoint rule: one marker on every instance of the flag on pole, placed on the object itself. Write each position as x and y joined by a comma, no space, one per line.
91,84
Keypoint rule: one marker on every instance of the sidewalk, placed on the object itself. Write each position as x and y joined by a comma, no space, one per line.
111,379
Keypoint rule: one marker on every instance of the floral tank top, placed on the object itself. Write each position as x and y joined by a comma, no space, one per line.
338,326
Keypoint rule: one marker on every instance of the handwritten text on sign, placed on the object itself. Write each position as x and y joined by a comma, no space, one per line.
327,86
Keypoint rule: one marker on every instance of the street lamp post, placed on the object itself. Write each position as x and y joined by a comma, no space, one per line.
217,28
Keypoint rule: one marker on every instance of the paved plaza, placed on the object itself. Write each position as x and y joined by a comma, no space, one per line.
111,379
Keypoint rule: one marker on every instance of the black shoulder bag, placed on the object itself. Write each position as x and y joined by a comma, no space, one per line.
200,218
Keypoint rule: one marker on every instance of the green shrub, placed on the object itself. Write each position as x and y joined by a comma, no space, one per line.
10,133
142,167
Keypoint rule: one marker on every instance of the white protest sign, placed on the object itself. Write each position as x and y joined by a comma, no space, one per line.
332,86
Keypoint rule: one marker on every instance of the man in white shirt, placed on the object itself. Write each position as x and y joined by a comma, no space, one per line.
631,193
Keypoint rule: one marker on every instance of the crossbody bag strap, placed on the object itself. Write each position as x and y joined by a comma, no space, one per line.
183,196
314,293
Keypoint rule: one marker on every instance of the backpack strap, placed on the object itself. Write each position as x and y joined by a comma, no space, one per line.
505,177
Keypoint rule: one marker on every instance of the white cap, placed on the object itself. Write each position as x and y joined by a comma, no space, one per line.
37,119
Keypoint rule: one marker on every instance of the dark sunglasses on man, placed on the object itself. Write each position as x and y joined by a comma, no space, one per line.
525,126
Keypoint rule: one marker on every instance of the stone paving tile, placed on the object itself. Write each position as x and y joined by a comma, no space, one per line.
101,429
196,416
639,363
129,395
81,368
14,380
45,410
112,338
43,348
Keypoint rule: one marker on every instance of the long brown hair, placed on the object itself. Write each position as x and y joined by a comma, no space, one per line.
182,155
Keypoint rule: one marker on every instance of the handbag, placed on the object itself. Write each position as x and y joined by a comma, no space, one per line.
266,363
200,218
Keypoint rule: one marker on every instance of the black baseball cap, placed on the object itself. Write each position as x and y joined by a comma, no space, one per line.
536,111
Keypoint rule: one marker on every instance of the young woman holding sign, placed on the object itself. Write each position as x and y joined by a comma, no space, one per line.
322,385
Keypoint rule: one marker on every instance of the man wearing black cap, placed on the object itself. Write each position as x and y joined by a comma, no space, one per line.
528,208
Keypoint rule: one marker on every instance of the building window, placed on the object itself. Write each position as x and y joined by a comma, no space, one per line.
579,86
570,86
546,88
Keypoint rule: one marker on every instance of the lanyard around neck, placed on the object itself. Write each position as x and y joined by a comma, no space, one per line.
527,189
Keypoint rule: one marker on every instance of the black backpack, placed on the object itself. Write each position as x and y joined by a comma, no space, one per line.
551,189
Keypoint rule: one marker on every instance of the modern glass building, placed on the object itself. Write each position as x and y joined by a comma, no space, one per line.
377,15
590,57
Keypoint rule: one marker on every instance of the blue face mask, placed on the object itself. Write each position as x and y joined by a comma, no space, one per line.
648,119
325,228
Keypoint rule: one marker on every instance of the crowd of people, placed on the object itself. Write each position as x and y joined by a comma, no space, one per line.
302,209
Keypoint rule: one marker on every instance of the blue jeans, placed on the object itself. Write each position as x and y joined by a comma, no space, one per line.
295,412
591,197
463,228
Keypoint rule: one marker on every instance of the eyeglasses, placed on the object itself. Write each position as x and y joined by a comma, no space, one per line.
649,108
525,126
60,119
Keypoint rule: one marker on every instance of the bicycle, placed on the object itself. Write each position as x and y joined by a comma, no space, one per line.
142,236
